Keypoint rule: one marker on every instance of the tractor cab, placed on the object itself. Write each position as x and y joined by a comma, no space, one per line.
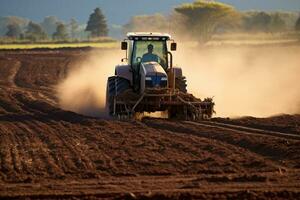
144,48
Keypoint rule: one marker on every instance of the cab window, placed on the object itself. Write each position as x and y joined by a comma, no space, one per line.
147,51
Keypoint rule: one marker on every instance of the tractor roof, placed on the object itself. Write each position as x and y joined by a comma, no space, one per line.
148,36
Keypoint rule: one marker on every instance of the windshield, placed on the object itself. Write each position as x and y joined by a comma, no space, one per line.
148,51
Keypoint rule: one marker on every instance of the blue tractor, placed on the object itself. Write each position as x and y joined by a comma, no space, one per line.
148,81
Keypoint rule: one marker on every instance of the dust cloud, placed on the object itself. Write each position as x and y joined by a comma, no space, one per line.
84,89
255,81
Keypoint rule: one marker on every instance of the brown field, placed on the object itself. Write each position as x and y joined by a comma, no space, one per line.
49,153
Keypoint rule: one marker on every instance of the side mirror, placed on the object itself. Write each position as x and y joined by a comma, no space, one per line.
124,45
173,46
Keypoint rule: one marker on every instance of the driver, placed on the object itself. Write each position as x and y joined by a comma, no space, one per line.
149,56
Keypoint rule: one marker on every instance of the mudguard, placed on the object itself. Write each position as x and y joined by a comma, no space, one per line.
124,71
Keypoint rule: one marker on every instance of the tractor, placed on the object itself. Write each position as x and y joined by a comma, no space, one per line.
148,82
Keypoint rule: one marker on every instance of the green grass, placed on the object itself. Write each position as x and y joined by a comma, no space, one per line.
61,45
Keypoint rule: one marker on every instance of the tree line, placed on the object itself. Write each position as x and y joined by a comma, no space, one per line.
52,28
201,19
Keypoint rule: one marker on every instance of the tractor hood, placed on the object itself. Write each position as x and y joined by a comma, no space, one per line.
153,75
153,69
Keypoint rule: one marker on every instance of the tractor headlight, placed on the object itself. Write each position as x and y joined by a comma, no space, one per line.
163,81
148,81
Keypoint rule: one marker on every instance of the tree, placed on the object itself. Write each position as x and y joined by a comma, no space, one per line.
203,18
13,31
74,27
35,32
145,23
49,24
277,24
257,21
61,32
268,21
262,21
97,24
12,20
297,26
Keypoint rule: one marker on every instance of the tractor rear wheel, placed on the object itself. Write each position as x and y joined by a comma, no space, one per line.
122,85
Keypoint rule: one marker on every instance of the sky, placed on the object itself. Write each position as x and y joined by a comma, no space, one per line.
120,11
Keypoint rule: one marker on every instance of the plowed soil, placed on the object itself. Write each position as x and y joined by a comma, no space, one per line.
50,153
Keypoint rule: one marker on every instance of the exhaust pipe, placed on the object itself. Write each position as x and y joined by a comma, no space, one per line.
171,74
